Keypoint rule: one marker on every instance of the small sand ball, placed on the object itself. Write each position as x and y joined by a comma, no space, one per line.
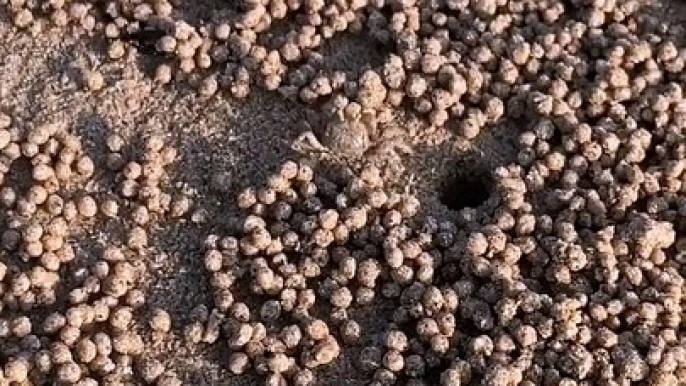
317,329
160,320
181,206
94,80
43,172
116,50
164,73
5,138
85,166
166,44
209,86
115,143
351,332
109,208
326,351
17,370
5,121
86,350
87,207
222,31
150,369
140,215
121,318
113,254
39,135
138,238
128,343
69,373
23,18
238,362
154,143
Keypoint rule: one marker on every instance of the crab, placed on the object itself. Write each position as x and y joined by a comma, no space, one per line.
359,137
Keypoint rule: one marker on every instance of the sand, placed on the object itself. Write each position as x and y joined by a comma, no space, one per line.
243,141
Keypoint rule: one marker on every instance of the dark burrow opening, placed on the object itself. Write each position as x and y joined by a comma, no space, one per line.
466,189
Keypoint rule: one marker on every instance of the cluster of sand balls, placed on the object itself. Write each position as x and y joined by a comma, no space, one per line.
308,248
139,181
40,168
514,298
65,317
480,62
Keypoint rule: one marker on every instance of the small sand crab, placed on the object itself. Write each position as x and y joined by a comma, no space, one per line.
359,136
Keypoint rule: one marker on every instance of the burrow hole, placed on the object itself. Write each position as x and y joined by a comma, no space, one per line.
466,188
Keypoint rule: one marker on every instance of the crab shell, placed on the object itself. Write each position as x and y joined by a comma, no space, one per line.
346,137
